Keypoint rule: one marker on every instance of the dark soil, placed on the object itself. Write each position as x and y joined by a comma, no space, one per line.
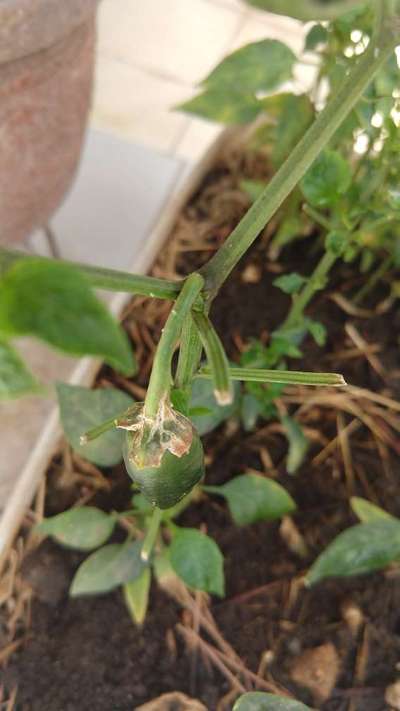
84,654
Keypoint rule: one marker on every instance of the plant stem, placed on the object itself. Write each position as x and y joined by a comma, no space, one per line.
99,430
317,217
101,278
307,150
189,354
216,357
283,377
105,426
151,534
315,283
160,379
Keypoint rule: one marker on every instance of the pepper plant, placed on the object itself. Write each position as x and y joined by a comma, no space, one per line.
160,437
350,190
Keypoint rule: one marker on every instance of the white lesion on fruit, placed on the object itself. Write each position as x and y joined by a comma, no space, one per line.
151,437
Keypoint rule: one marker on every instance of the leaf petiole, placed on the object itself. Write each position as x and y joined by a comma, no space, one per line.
284,377
216,356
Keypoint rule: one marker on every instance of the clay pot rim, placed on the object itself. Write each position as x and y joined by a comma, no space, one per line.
29,26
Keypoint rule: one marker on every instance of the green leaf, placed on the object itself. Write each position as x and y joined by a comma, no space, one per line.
259,701
141,504
290,229
290,283
136,595
250,410
15,378
84,528
307,9
317,330
393,196
317,35
360,549
298,444
224,105
252,188
367,512
387,79
255,356
203,397
327,180
108,568
337,242
253,498
180,401
81,409
258,66
198,561
295,116
350,253
54,302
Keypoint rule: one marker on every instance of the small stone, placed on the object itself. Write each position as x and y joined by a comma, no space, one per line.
392,695
175,701
317,670
251,274
352,615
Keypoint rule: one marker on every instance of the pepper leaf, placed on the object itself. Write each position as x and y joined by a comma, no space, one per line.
298,444
317,330
198,561
290,283
367,512
15,378
252,498
81,409
224,105
108,568
360,549
84,528
327,180
296,113
308,9
252,188
213,415
259,701
258,66
317,35
54,302
136,595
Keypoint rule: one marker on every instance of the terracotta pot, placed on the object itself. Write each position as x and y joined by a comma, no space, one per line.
46,74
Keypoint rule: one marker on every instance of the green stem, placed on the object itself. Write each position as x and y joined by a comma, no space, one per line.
189,354
101,278
307,150
216,357
317,217
374,278
151,534
160,379
314,284
380,222
105,426
97,431
283,377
